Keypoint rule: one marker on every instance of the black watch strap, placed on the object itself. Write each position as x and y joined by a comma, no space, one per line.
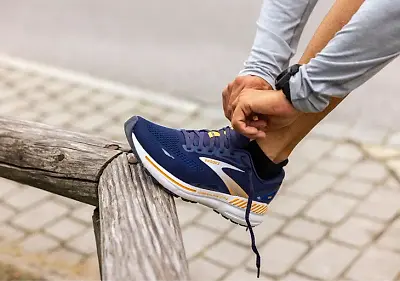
282,81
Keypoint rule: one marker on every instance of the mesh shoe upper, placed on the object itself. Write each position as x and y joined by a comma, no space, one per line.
180,153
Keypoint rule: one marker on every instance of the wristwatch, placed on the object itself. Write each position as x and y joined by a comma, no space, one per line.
282,81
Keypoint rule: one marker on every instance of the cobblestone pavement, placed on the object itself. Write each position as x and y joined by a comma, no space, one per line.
336,218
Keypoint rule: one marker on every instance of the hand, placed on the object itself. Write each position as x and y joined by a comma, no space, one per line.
231,92
259,111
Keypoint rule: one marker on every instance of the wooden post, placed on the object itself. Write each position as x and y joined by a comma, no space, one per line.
139,224
138,234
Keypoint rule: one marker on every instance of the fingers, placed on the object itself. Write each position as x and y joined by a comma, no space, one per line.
234,89
238,87
240,122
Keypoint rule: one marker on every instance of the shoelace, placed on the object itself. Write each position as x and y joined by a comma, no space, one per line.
202,139
250,228
199,139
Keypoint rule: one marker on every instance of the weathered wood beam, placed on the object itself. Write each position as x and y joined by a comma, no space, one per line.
65,163
140,233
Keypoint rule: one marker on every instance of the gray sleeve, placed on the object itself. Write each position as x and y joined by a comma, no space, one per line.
361,49
279,27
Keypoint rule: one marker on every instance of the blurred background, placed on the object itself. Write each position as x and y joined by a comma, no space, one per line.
100,62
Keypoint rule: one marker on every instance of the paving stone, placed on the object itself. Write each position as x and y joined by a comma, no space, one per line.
10,107
120,106
333,166
84,214
312,184
295,277
89,268
215,222
5,213
79,109
39,243
9,233
84,243
262,232
28,196
390,238
101,99
347,151
357,231
331,130
327,261
241,274
65,258
58,120
30,116
7,186
75,95
331,208
279,255
40,215
197,239
313,149
49,107
65,228
219,253
201,269
353,187
394,165
93,120
394,139
369,170
166,100
188,212
381,152
392,183
297,167
300,228
381,204
71,203
286,205
375,264
368,135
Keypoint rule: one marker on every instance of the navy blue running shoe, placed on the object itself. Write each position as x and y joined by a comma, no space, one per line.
204,166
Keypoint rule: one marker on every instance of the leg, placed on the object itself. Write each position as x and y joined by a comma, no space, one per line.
278,145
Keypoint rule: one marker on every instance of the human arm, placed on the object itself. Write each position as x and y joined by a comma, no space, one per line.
362,48
279,27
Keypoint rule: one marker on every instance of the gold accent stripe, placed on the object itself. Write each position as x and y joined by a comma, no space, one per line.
264,210
168,177
243,204
258,208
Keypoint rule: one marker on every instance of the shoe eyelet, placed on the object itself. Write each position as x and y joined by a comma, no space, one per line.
199,150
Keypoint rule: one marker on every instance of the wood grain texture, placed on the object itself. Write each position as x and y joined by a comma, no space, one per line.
58,161
140,233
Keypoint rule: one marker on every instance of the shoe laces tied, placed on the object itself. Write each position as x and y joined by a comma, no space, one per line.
208,139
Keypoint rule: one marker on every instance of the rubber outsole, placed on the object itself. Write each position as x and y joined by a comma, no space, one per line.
129,125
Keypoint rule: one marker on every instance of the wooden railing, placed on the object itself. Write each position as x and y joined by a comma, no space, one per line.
135,223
